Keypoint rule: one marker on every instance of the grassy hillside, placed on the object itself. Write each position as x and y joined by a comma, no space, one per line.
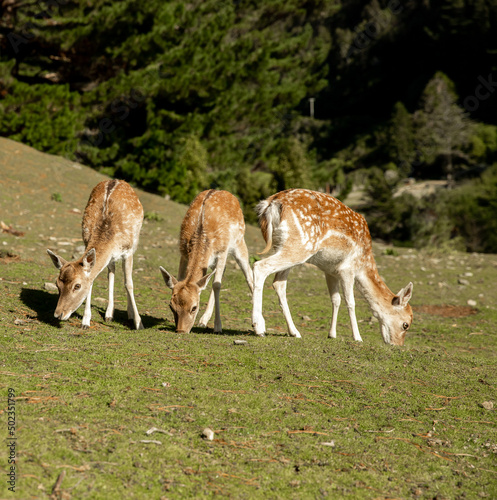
307,418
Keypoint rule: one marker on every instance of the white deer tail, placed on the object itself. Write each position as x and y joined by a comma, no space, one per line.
269,219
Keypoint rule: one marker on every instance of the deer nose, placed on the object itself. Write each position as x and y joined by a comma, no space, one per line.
183,329
61,315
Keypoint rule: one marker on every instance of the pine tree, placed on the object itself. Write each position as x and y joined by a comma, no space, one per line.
401,133
443,129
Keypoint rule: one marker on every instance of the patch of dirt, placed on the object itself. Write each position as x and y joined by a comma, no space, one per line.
446,311
8,257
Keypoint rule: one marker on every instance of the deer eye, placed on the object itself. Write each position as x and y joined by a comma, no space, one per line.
194,308
77,286
405,326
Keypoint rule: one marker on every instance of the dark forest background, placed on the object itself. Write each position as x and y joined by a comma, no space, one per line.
179,96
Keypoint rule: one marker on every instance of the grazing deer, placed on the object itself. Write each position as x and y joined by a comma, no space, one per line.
306,226
212,228
111,227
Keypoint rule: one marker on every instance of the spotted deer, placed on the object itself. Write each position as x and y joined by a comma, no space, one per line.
111,227
307,226
213,228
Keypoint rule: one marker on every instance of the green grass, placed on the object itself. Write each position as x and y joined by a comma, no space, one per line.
306,418
56,197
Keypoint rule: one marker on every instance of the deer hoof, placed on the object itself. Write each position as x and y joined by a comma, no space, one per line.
108,318
85,327
259,328
259,332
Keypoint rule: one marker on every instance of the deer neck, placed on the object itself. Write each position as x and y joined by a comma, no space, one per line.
198,259
375,291
103,257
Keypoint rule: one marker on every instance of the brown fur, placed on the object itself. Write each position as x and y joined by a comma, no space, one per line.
308,226
206,229
212,227
111,226
111,216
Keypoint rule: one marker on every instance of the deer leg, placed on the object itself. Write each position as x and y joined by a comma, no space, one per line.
260,274
214,296
348,293
279,284
208,311
242,258
85,324
109,314
334,289
216,288
262,269
128,283
183,263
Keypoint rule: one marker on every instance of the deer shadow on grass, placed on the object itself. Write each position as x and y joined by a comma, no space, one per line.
226,331
121,317
43,303
169,327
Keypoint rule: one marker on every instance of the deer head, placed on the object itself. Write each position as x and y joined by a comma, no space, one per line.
394,325
74,282
185,299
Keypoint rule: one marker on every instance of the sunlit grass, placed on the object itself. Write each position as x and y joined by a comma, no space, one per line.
292,418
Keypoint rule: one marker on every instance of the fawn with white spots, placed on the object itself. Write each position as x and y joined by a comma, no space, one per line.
213,228
307,226
111,227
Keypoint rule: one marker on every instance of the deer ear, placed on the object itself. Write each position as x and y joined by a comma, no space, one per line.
89,260
404,296
203,282
58,262
169,279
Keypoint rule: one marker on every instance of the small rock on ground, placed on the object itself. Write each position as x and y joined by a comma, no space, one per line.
208,434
